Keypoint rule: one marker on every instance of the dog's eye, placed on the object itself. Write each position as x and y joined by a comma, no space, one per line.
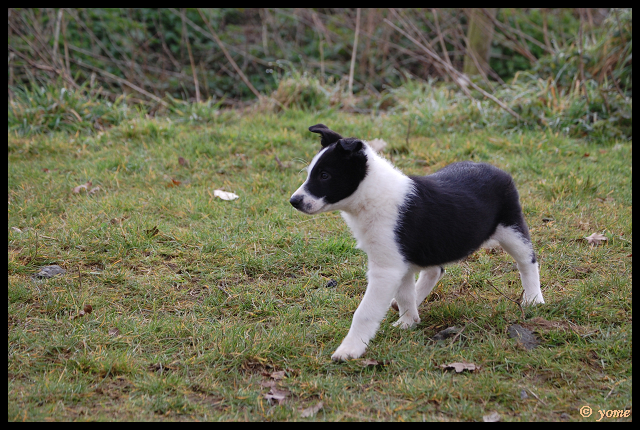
324,176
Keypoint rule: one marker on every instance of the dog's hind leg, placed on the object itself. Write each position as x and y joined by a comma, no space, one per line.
406,302
428,279
518,245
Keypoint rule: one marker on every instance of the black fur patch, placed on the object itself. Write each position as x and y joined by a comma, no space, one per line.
452,212
327,136
338,172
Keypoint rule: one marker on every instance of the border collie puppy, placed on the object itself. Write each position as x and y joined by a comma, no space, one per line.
411,224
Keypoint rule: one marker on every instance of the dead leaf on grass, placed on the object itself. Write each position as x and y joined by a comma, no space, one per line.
152,231
595,239
85,311
225,195
311,410
113,331
493,417
93,190
182,161
277,375
370,362
173,183
276,395
377,144
460,367
119,220
79,188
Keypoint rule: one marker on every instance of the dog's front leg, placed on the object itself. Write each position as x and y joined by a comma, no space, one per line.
383,284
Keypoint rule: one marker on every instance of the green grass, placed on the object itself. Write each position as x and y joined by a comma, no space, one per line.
210,297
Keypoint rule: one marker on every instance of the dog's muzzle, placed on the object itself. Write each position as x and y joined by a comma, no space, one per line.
296,201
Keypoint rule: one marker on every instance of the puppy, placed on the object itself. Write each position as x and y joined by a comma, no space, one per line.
411,224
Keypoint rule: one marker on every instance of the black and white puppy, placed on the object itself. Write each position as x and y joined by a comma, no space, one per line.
412,224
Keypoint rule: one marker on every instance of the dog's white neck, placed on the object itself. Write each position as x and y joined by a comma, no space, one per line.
372,211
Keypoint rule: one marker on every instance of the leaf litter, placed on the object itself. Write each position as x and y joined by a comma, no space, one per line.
225,195
85,311
311,410
460,367
595,239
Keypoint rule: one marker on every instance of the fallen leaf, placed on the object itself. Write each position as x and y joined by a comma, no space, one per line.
493,417
225,195
276,395
377,144
596,238
119,220
94,190
79,188
152,231
173,183
277,375
370,362
182,161
88,309
311,410
16,229
460,367
113,331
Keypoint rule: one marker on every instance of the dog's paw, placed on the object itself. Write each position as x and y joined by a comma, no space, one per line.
346,351
406,322
530,301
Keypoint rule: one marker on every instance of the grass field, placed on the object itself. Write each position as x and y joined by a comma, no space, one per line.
201,307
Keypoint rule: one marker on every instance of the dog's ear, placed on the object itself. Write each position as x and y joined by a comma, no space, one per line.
351,145
328,136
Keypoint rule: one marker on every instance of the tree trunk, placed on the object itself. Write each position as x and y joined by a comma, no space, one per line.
479,35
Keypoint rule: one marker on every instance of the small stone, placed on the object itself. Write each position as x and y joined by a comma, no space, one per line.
49,271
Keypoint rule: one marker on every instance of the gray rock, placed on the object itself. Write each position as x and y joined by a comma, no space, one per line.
523,336
49,271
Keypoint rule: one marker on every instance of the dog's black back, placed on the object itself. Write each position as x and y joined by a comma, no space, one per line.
452,212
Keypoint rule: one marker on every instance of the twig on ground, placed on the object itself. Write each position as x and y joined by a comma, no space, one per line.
517,302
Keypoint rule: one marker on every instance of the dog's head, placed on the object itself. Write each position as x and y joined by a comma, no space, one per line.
334,174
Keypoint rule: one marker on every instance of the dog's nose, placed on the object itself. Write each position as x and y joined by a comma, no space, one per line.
296,201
